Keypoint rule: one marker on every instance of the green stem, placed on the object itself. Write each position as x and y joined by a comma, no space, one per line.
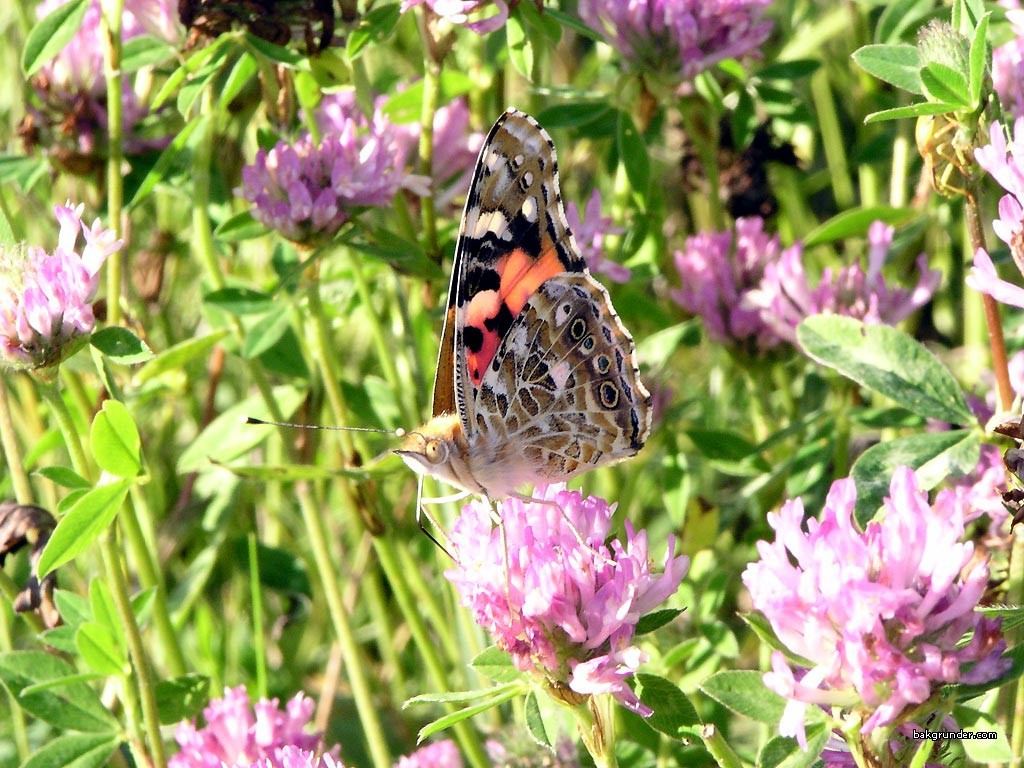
995,329
150,576
900,162
12,451
595,721
467,737
202,231
113,558
384,351
719,748
256,598
66,424
113,11
832,139
702,130
432,64
355,665
322,352
922,754
1015,588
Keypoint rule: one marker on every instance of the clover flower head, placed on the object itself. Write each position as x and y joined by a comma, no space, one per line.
979,492
72,85
306,190
679,38
717,269
1008,66
1005,163
785,296
880,614
440,754
46,298
564,609
480,16
239,734
294,757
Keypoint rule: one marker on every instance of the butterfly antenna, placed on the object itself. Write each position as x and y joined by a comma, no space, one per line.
396,432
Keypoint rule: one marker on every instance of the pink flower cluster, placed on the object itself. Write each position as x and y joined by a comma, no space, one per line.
72,86
308,189
45,298
239,734
785,296
560,601
879,614
1008,66
716,277
440,754
681,38
1005,163
756,292
589,232
474,15
294,757
979,492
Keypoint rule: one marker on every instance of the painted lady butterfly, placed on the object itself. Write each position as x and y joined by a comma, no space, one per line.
536,378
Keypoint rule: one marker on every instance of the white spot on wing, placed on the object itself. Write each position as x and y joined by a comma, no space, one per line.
530,209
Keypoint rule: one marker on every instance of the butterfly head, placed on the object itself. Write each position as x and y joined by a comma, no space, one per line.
438,449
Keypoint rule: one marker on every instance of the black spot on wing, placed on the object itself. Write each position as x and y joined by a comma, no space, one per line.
480,278
501,322
473,338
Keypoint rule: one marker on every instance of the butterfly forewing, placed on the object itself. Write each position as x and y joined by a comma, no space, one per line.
513,237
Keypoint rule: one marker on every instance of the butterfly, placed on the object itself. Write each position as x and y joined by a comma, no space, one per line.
536,377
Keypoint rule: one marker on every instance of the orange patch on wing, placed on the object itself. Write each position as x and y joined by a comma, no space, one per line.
521,274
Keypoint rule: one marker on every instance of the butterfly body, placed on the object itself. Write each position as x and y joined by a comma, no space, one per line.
536,378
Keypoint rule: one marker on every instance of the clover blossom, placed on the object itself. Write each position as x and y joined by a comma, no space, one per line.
563,609
293,757
72,88
440,754
1008,66
717,271
1005,163
589,232
46,298
979,492
306,190
471,14
238,734
785,297
679,38
878,614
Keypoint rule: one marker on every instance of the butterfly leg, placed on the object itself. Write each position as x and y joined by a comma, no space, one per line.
421,512
572,526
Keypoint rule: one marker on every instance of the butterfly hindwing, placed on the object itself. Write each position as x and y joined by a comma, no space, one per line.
513,237
564,386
